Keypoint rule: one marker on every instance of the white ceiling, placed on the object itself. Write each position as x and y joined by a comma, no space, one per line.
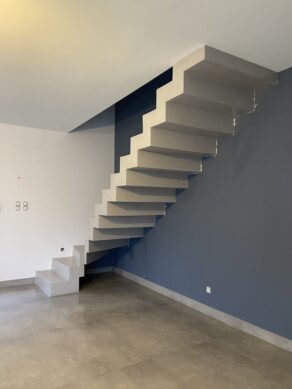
64,61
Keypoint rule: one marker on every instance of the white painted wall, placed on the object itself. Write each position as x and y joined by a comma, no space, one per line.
63,62
61,176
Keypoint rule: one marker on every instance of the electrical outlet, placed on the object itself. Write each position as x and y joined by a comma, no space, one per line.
208,289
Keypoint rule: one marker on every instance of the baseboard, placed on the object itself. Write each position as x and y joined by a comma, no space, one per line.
232,321
19,282
98,270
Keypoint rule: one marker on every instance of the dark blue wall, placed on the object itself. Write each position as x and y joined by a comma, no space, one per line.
106,261
129,113
128,122
232,229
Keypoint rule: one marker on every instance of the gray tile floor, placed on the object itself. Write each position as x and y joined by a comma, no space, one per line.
117,334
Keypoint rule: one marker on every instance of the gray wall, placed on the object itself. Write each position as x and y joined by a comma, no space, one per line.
232,229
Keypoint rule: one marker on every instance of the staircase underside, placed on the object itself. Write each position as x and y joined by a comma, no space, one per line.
208,91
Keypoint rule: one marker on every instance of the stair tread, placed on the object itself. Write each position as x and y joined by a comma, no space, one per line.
50,276
67,261
220,65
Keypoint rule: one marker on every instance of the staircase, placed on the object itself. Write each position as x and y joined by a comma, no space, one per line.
208,91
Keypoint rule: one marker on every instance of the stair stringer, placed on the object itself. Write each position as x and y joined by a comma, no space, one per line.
208,91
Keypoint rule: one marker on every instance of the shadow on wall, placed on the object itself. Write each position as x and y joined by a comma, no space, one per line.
103,119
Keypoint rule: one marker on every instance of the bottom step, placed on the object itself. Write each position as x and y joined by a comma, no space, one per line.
53,285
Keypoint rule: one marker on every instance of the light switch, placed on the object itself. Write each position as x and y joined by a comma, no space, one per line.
18,206
25,205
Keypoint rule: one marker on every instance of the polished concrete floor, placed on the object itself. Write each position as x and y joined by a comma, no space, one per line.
116,334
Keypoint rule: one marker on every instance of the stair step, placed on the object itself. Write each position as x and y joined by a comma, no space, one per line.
116,233
106,245
147,161
122,221
50,276
212,95
53,284
68,267
131,178
130,209
174,143
142,195
184,118
216,65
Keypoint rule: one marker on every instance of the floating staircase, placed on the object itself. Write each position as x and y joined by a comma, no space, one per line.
208,91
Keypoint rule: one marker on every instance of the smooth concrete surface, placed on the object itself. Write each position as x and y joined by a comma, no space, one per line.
117,334
232,321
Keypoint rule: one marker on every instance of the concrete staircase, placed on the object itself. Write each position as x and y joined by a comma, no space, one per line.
208,91
64,276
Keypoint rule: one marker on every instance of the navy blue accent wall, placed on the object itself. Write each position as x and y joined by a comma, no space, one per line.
106,261
129,113
128,122
232,229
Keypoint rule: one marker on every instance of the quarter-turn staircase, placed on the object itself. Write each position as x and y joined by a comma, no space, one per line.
208,91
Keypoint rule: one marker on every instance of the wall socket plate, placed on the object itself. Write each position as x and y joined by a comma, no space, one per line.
208,289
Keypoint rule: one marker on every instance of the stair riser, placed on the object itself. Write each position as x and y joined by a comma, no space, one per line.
132,178
120,224
174,143
43,285
141,141
182,118
130,209
123,222
111,234
210,94
206,94
167,93
179,143
128,161
67,272
142,196
146,161
216,65
135,198
51,289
